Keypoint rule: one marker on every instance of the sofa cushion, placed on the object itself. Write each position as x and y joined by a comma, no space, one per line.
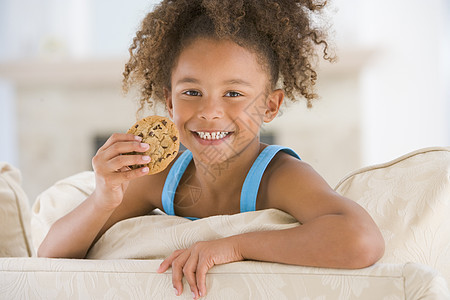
57,201
409,199
14,214
157,236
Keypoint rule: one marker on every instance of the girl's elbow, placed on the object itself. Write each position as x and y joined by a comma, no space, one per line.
42,252
367,250
45,252
48,253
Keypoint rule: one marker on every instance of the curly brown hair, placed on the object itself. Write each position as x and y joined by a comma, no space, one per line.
281,32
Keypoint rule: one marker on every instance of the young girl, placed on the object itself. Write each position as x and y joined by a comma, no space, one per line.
218,66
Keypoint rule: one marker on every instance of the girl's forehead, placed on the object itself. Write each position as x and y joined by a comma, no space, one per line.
225,49
212,54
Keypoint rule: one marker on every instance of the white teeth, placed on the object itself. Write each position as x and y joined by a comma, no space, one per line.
212,135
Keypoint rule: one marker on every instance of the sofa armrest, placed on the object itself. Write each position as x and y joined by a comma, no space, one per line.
46,278
14,214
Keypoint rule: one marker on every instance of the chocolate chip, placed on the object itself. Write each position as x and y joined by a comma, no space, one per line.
174,138
151,133
157,127
160,159
168,155
137,125
164,122
141,135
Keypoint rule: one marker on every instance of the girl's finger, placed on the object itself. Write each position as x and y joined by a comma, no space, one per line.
119,148
177,272
124,169
168,261
118,178
118,162
119,137
200,274
189,270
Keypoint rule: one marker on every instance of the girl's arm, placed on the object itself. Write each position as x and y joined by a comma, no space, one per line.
72,235
335,232
336,240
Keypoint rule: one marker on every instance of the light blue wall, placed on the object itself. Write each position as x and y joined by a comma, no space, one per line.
114,23
8,126
41,28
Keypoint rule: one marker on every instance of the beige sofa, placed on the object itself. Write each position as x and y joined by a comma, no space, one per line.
409,198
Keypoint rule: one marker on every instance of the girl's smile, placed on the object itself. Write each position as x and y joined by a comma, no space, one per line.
212,137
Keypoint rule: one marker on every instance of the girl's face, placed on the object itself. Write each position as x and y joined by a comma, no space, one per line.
219,99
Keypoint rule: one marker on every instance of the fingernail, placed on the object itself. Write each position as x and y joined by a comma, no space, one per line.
145,145
193,295
138,138
176,292
200,293
145,170
145,157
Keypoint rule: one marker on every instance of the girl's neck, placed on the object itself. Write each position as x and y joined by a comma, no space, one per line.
227,176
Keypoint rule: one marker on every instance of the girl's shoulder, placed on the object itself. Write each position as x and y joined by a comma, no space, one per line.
290,181
284,165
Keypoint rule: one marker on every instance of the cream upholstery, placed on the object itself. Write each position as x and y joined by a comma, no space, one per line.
40,278
57,201
409,198
14,214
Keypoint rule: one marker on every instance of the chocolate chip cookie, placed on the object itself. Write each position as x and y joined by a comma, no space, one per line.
162,136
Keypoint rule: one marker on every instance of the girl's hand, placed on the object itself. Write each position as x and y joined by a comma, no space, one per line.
110,165
195,261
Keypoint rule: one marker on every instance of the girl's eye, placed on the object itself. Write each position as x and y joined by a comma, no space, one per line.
233,94
192,93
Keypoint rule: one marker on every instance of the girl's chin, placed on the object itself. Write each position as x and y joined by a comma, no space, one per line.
210,154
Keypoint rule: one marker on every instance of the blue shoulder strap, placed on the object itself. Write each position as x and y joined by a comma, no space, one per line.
172,180
250,188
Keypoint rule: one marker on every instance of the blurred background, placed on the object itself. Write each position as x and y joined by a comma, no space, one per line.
60,85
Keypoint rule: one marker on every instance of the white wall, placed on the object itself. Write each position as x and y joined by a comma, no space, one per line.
405,87
114,24
8,124
54,29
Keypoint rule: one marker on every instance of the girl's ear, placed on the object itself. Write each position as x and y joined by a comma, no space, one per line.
169,104
274,102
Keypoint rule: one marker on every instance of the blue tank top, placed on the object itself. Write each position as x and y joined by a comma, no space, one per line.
250,187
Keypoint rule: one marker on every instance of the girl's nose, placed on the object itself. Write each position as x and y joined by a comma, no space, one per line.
210,109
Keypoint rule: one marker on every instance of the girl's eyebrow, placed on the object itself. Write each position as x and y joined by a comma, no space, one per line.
187,80
236,81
